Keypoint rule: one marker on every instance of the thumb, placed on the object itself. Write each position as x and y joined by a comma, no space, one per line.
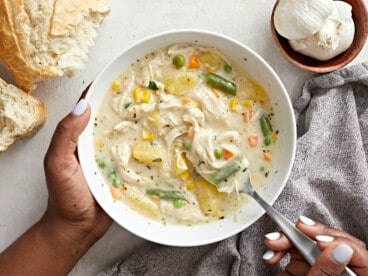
332,260
65,138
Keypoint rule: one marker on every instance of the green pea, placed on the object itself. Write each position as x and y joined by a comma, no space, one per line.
228,68
179,61
187,146
218,153
115,181
178,203
102,164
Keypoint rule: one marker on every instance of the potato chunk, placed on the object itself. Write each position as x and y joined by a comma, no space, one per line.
212,61
252,90
149,153
180,83
209,198
139,201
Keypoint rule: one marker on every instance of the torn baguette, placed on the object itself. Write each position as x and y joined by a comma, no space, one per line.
44,39
21,115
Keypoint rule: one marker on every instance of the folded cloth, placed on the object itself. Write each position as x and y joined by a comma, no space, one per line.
329,183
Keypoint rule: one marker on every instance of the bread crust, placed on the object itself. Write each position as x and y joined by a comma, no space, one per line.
14,41
26,129
11,53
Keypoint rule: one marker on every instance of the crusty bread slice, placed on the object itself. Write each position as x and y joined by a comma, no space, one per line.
41,39
21,114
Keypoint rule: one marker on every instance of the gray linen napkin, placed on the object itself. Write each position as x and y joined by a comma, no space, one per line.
329,183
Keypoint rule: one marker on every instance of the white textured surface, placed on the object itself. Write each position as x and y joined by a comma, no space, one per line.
23,193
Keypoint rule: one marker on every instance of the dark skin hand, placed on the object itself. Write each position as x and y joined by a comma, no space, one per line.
339,250
73,221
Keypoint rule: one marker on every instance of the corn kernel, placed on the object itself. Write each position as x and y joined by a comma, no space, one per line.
146,96
116,85
190,186
154,119
248,104
275,137
147,135
100,144
137,94
233,104
154,198
141,96
185,175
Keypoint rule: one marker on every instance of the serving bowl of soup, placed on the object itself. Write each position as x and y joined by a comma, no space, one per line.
177,122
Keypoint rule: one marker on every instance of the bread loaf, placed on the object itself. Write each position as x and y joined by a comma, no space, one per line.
21,114
41,39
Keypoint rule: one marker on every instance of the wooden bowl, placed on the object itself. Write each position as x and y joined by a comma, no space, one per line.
360,17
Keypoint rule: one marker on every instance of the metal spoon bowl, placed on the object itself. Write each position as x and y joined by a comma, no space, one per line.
305,245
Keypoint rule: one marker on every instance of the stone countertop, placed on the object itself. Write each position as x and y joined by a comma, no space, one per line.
23,195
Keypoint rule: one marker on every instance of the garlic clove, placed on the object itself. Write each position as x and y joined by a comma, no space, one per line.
298,19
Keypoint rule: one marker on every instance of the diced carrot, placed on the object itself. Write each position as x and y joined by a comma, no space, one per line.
267,157
190,133
247,115
216,93
185,101
115,193
227,154
194,62
253,140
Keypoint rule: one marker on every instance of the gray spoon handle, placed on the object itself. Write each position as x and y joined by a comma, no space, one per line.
305,245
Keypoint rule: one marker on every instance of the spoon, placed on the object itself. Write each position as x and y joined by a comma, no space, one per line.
305,245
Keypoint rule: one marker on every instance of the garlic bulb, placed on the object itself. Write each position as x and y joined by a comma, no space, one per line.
321,29
296,19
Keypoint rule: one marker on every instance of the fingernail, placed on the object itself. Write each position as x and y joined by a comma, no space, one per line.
273,236
80,108
342,253
268,255
307,221
324,238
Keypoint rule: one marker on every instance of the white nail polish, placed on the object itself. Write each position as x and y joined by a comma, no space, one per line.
80,108
342,253
268,255
307,221
273,236
324,238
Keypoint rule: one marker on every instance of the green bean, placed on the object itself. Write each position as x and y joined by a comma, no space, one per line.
165,194
267,141
221,83
179,61
224,173
266,129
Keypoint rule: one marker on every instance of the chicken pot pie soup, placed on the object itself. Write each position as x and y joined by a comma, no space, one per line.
178,129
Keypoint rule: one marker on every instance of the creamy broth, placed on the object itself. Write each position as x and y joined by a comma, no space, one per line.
178,129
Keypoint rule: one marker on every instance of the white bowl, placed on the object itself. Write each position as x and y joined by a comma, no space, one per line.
199,234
